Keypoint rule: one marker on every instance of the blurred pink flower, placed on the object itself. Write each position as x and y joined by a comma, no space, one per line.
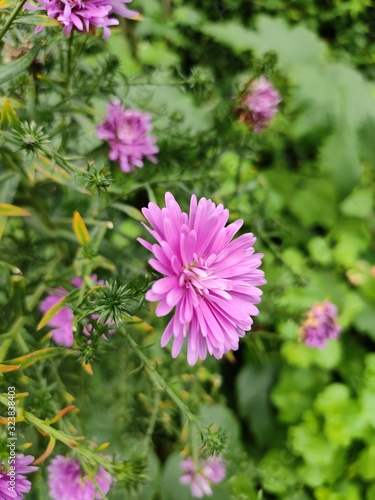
200,477
62,322
13,487
211,281
66,481
126,131
84,15
258,104
320,325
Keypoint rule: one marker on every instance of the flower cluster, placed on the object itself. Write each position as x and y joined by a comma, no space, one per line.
62,321
210,280
85,15
66,481
320,325
13,483
201,476
258,104
126,131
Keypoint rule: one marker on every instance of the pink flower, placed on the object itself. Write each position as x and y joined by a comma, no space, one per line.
13,483
126,131
85,15
66,481
259,104
320,325
62,322
210,280
200,476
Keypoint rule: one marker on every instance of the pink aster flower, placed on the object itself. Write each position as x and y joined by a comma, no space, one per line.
258,104
85,15
320,325
210,280
62,322
13,483
126,131
201,476
67,482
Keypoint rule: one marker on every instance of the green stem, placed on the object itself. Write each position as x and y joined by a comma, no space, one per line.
70,441
152,423
155,375
11,18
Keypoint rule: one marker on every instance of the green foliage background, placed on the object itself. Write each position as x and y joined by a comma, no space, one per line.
300,422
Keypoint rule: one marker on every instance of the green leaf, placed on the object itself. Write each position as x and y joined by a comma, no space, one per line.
37,20
80,230
132,212
340,156
366,463
9,117
252,387
34,357
57,307
359,203
225,418
15,68
8,210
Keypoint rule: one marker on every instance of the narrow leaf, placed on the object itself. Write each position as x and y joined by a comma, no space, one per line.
34,357
8,210
17,67
8,368
37,20
132,212
56,308
9,117
80,230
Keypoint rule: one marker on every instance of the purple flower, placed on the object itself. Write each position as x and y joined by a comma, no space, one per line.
62,322
126,131
85,15
210,280
200,476
258,104
66,481
320,325
13,483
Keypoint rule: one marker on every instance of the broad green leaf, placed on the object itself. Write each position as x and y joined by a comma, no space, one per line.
223,416
359,203
15,68
340,156
232,34
252,387
80,230
366,464
8,210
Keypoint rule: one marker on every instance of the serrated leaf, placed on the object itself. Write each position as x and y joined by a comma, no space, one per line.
14,69
8,210
80,230
56,308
